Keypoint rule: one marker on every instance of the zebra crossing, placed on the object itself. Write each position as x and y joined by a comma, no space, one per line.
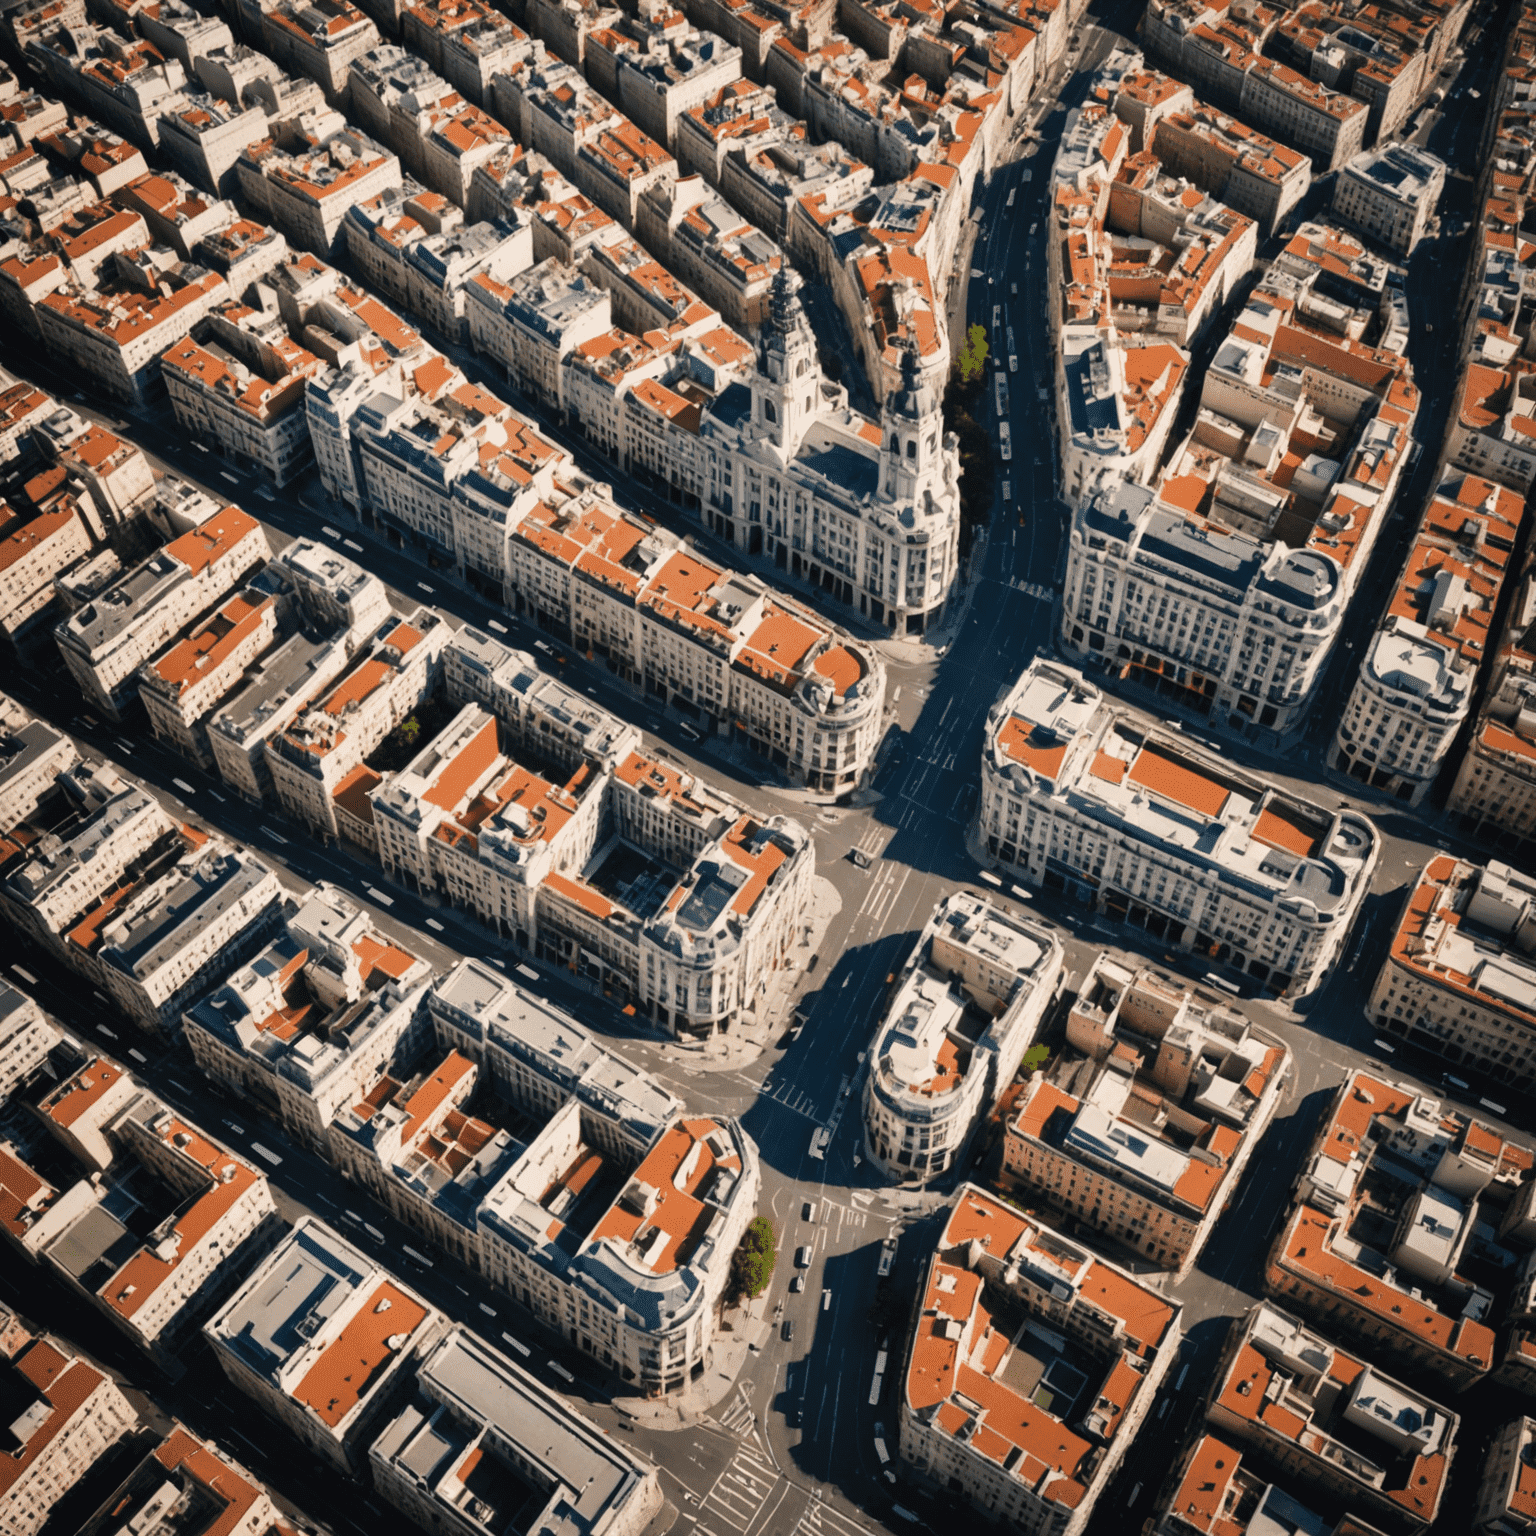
1032,589
820,1519
746,1484
739,1416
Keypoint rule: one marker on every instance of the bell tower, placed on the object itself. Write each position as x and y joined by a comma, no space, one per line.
912,434
788,375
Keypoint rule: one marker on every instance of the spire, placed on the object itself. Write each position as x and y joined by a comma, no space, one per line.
781,301
914,399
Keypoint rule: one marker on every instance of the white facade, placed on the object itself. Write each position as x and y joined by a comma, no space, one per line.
318,1335
1078,795
966,1008
106,642
26,1037
1390,193
71,1414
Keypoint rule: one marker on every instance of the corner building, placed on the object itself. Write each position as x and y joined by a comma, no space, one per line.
1082,796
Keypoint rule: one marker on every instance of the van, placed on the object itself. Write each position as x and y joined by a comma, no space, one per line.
810,1211
803,1256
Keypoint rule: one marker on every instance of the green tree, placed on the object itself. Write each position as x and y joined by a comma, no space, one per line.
973,355
752,1263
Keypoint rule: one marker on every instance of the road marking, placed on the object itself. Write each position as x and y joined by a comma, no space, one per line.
266,1153
329,532
497,625
224,474
433,923
380,897
183,786
351,544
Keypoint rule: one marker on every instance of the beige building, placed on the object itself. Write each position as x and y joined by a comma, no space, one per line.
480,1435
112,824
319,758
1211,1493
155,942
1343,1429
215,1213
68,1415
106,642
306,193
1083,796
318,1336
307,1026
1385,1207
966,1007
1149,1145
32,756
1100,1338
1390,193
1506,1498
1459,978
1494,431
26,1038
183,686
1415,686
32,552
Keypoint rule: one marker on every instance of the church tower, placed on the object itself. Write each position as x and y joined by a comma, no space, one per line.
788,376
912,432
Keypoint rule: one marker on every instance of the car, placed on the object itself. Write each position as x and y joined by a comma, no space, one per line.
826,1300
787,1330
797,1283
809,1212
688,731
812,963
803,1256
859,857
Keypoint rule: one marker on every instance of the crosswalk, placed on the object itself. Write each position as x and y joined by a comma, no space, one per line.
740,1492
821,1519
1032,589
739,1416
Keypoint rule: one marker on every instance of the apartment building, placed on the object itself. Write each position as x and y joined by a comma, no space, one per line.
480,1435
318,1336
1212,1492
1082,796
306,192
966,1007
155,943
1102,1341
318,38
32,755
465,820
1459,979
105,643
84,1107
110,825
1148,1145
33,550
68,1415
307,1025
1414,689
114,335
1385,1207
1494,431
537,713
1517,1342
532,323
243,392
183,688
200,1214
321,754
654,75
203,137
616,1284
26,1038
1323,124
645,1244
1342,1429
1390,193
183,1477
1506,1498
1248,171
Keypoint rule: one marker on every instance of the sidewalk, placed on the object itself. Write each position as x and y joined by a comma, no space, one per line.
728,1354
756,1033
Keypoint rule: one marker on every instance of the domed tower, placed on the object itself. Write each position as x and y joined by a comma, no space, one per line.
788,375
912,427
